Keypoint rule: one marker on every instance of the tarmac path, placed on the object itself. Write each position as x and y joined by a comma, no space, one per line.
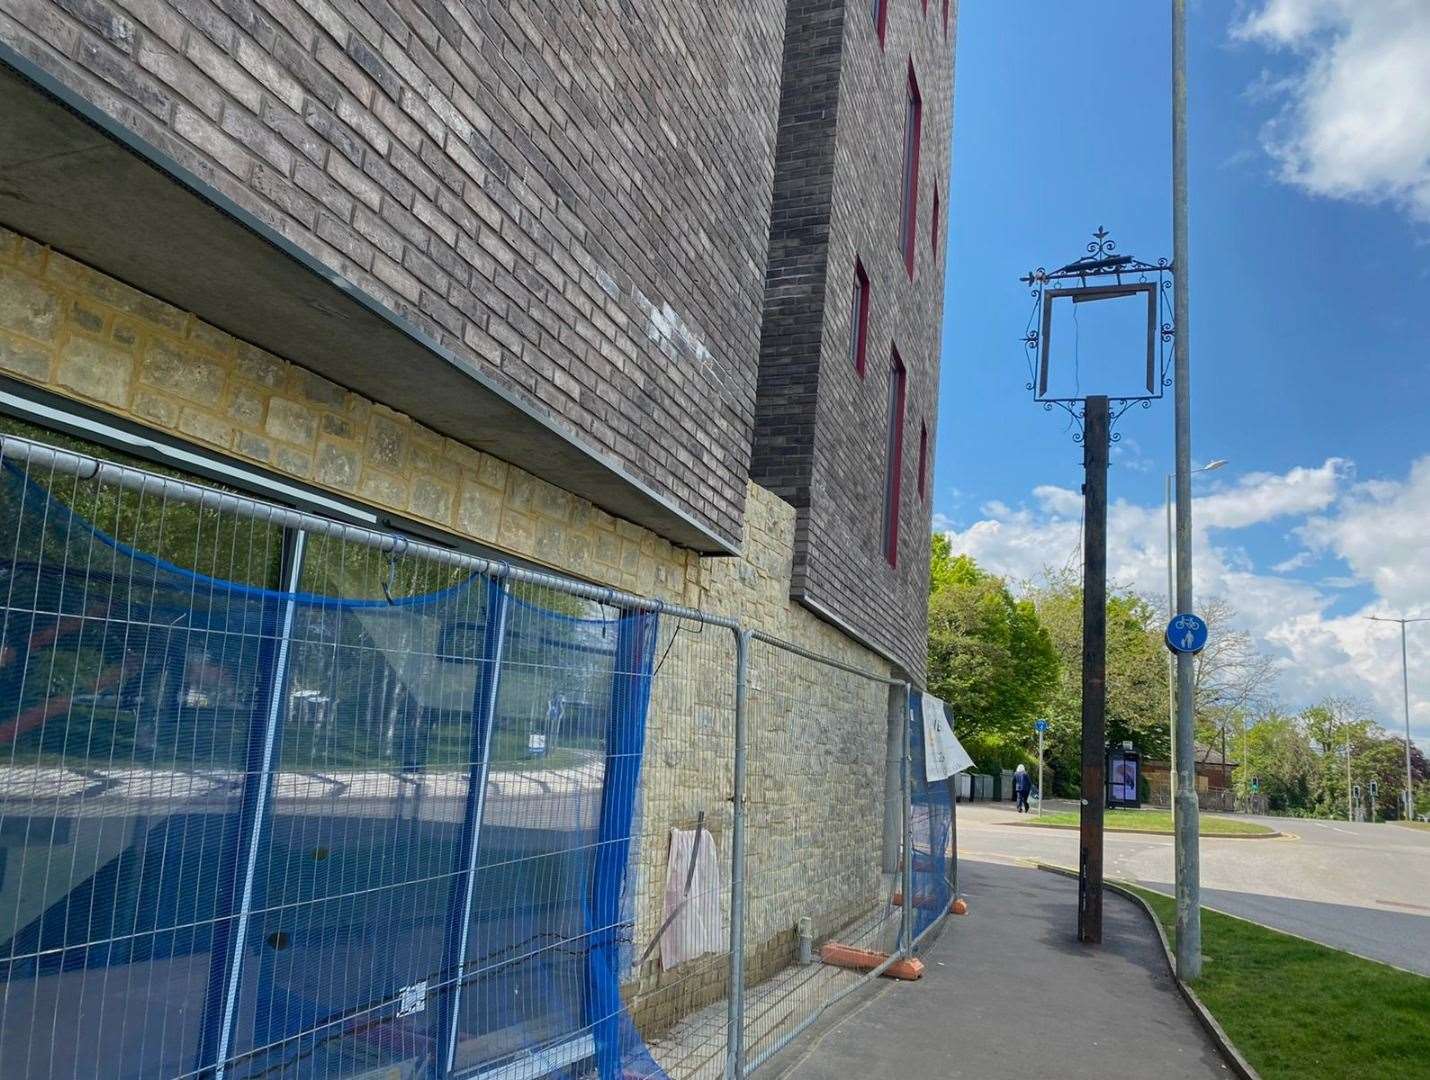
1008,991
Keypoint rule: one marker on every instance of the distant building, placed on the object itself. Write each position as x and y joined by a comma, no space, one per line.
1215,780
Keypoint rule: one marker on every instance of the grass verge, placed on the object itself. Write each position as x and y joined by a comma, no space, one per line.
1152,821
1298,1009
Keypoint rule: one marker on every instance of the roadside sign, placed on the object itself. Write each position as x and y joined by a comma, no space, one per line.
1040,726
1355,790
1374,789
1255,784
1187,633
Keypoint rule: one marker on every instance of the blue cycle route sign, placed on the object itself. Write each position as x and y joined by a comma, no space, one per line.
1187,633
1040,725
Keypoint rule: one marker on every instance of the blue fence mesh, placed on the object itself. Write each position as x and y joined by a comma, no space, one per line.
932,825
270,806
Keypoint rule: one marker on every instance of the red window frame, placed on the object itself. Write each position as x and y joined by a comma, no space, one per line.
894,458
923,459
859,319
933,224
909,205
880,11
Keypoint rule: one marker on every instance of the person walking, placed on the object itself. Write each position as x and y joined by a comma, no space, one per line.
1022,787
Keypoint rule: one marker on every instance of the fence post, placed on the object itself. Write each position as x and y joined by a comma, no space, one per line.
220,1015
907,929
735,1036
484,703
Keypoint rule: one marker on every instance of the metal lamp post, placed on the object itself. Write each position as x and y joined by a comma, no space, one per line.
1405,694
1101,275
1210,466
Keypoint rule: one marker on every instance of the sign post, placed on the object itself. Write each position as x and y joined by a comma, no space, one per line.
1041,726
1102,274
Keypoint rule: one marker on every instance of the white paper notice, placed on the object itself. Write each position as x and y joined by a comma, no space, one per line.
696,928
943,754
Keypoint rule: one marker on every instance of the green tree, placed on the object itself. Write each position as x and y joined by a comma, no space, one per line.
1332,725
989,657
1136,674
1276,750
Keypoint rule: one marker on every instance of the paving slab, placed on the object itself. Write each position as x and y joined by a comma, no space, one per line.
1010,992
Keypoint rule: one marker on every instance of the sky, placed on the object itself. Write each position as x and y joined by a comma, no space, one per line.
1310,324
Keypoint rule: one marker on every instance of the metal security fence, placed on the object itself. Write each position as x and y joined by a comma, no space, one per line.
284,796
815,883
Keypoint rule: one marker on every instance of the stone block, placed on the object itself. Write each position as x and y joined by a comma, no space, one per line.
430,499
245,406
96,370
291,421
206,427
27,307
337,466
479,511
387,442
183,372
25,358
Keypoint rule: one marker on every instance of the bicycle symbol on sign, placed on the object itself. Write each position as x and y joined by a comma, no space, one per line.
1186,633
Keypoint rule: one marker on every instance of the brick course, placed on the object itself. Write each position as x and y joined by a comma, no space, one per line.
820,429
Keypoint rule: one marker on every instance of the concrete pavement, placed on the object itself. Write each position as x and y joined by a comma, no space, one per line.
1356,886
1009,992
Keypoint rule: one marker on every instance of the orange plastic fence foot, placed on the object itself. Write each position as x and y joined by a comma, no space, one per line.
908,970
847,956
959,906
856,959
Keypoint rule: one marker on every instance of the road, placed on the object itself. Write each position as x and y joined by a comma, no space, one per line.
1355,886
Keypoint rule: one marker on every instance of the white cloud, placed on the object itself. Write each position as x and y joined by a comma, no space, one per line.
1059,501
1260,497
1353,122
1377,530
1381,530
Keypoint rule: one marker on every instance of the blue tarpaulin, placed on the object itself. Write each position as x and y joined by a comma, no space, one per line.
262,830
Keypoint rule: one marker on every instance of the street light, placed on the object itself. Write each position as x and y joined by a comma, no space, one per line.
1210,466
1405,691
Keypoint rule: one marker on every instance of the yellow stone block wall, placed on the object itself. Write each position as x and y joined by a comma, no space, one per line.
82,334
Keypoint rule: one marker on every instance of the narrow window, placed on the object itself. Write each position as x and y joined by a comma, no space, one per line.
945,18
880,12
923,459
894,450
933,225
913,123
859,319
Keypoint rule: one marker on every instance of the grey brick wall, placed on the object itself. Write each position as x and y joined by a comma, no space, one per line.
820,429
574,194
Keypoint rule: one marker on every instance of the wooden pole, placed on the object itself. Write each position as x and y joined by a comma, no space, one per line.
1094,668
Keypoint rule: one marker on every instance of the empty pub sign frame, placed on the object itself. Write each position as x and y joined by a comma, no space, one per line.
1089,294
